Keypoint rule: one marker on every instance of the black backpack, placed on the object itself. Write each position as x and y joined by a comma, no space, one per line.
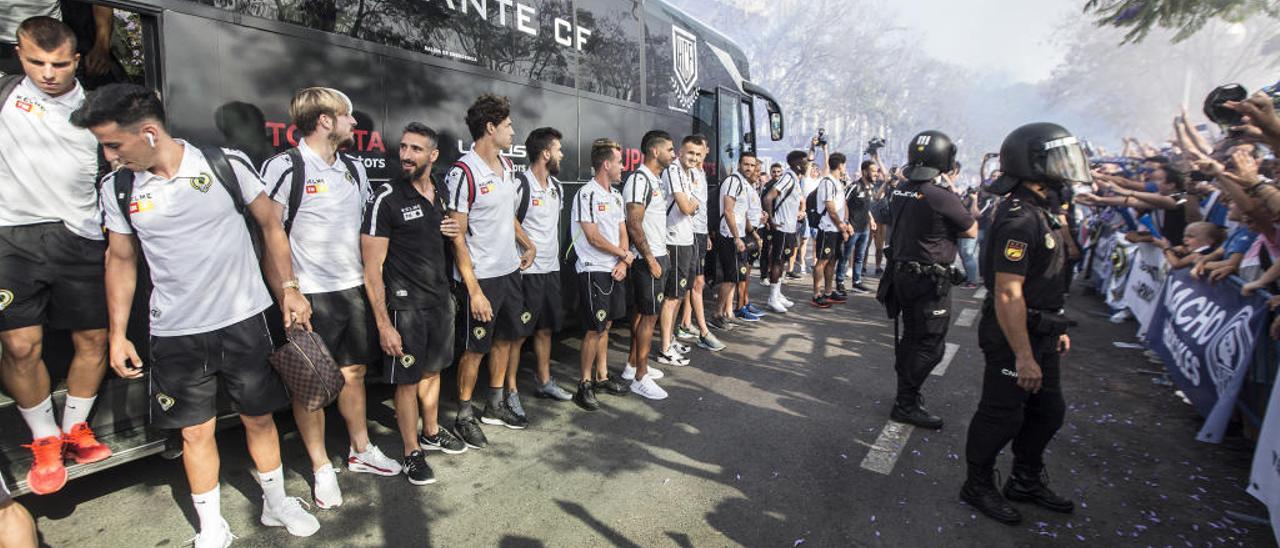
220,163
526,186
811,205
298,183
8,83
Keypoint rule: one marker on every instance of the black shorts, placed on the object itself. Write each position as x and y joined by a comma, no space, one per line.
732,263
827,244
781,246
646,290
603,299
344,322
426,334
506,300
680,258
186,370
49,274
699,255
543,301
5,495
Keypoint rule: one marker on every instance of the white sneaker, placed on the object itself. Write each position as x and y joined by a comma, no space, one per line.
671,358
217,538
646,388
788,302
765,282
681,348
629,373
326,492
776,306
372,461
291,516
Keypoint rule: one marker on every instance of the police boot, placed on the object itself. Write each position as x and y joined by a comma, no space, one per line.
1030,484
980,492
906,409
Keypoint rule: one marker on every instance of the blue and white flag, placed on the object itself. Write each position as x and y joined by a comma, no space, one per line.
1264,481
1206,334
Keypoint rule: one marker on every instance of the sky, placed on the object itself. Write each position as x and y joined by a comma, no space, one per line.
997,38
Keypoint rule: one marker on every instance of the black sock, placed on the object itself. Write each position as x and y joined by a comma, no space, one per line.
464,410
495,397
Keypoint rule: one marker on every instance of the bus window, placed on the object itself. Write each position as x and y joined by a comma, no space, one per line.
610,61
111,43
748,126
730,128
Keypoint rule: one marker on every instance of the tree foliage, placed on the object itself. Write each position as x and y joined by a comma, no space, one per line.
1184,17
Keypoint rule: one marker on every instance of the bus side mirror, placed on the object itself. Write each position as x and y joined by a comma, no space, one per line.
775,125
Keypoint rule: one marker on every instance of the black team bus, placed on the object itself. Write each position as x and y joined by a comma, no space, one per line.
227,70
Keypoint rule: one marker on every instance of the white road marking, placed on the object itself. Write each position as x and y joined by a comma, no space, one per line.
980,294
966,317
884,454
947,356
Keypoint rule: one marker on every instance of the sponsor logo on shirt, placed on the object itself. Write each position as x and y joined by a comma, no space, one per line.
602,207
316,187
141,203
486,188
200,182
537,202
29,105
411,213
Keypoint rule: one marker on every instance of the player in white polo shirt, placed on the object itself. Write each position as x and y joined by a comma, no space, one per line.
321,193
833,230
731,247
51,250
541,201
682,207
693,306
647,230
784,202
600,240
208,326
491,251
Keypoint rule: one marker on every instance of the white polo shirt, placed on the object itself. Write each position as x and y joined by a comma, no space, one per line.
754,210
679,226
603,208
787,204
699,183
830,189
47,166
491,215
203,266
735,187
645,187
542,223
325,236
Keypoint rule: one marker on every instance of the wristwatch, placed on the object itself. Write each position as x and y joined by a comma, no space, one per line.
291,284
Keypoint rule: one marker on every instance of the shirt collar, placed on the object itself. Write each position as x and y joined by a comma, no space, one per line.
311,157
536,186
70,99
187,165
1028,195
410,192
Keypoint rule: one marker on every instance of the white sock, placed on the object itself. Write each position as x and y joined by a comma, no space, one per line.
209,508
775,292
40,419
76,411
273,486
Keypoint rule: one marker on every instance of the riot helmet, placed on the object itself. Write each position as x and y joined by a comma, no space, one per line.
929,155
1041,152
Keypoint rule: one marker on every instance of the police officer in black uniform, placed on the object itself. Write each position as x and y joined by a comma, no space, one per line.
1023,332
927,218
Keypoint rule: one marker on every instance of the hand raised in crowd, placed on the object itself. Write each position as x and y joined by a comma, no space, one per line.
1221,272
296,310
124,359
1245,169
1260,120
1197,271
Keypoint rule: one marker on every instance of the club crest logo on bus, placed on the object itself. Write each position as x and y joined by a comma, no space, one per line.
684,66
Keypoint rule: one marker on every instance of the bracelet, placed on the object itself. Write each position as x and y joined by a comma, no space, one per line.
290,284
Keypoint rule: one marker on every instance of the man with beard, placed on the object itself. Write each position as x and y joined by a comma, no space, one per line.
320,194
538,211
482,199
681,207
647,230
403,240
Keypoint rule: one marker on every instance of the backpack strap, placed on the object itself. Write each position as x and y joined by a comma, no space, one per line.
522,192
123,179
297,187
220,163
8,83
471,184
783,197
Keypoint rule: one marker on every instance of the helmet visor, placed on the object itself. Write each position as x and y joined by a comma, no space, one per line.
1064,161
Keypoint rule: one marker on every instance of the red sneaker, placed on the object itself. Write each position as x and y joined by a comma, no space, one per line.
83,446
47,474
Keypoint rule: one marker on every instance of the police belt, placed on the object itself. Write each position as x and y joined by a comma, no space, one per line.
1044,322
931,270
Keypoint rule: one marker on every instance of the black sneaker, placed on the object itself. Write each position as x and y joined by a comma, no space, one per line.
1032,485
586,396
917,415
614,386
503,416
840,288
442,441
981,494
793,275
469,431
834,297
820,301
860,288
840,292
719,322
417,469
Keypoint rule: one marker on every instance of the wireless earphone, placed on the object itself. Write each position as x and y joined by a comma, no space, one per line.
151,139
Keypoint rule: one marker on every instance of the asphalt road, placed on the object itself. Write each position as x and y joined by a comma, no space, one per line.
759,445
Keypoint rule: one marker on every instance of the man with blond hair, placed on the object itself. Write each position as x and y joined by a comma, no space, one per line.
320,194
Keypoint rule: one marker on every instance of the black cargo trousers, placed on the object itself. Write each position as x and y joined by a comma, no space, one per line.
926,315
1009,413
